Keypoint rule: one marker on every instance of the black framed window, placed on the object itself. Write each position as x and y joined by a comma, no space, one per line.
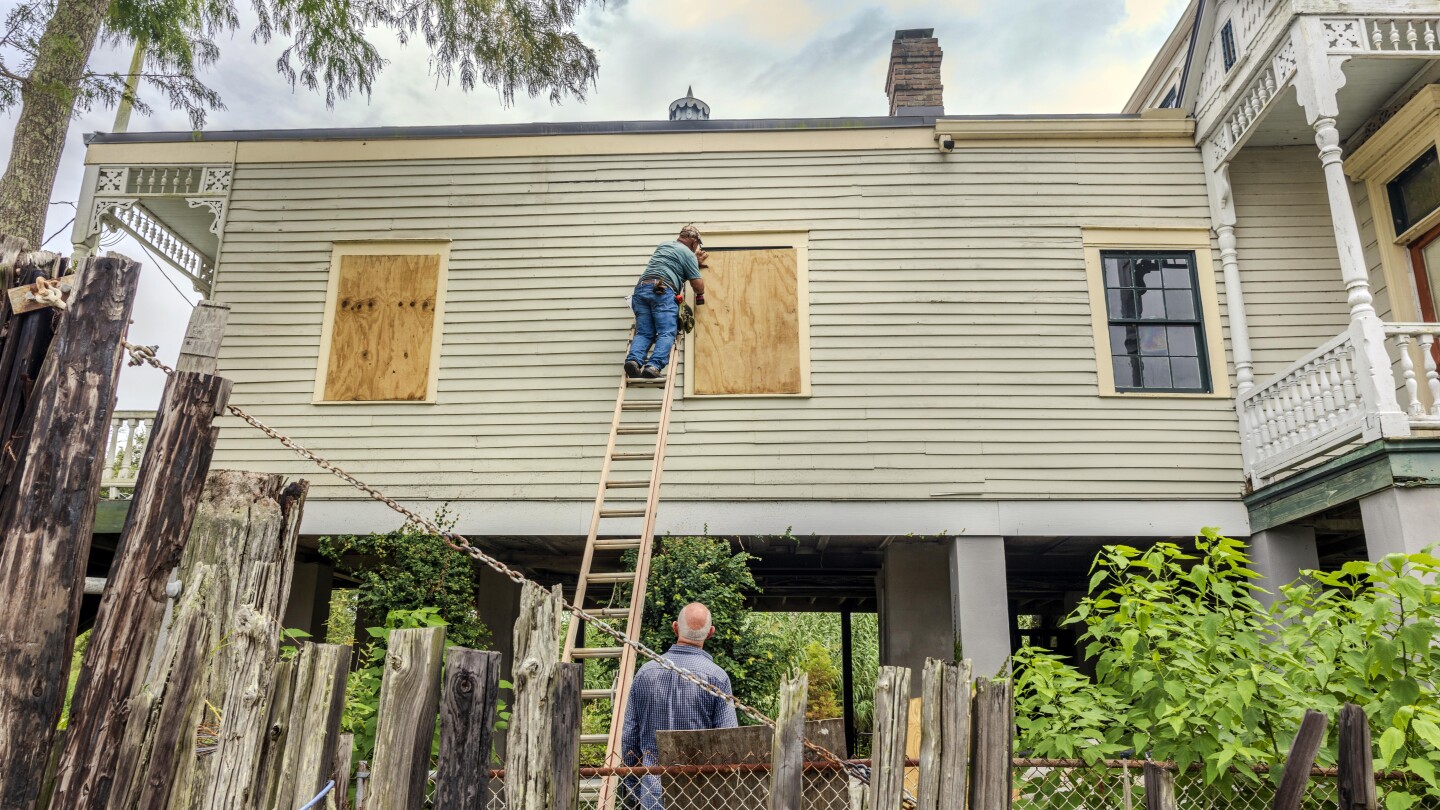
1227,45
1172,99
1415,192
1157,327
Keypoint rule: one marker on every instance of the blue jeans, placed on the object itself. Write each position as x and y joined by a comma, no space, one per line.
656,321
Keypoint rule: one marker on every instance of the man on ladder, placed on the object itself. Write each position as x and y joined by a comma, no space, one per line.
656,301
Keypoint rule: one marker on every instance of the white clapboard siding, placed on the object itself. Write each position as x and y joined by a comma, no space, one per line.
1289,267
950,324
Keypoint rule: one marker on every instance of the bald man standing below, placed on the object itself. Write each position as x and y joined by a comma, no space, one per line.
660,700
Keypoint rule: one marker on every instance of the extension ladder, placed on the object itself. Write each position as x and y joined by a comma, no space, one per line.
605,589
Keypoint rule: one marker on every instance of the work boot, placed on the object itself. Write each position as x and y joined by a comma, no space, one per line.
650,372
632,368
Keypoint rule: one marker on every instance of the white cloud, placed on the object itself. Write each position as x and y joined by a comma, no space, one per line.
746,58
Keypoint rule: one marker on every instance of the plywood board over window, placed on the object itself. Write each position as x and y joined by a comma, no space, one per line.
382,324
751,336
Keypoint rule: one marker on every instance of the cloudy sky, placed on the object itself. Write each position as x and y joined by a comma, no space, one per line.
746,58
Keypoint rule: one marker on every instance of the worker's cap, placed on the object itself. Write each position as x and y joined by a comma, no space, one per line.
692,232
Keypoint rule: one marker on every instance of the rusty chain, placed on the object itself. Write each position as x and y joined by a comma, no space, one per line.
146,355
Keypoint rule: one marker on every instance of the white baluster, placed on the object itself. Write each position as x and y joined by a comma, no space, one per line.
1347,379
1327,392
1407,367
1288,419
1271,429
1432,375
1411,36
1375,37
1394,36
1306,406
1429,35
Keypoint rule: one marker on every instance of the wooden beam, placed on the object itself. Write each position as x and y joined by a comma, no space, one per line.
23,298
1296,775
944,736
312,723
202,341
467,715
167,494
46,518
529,774
1159,788
787,754
1356,780
220,651
887,770
409,698
992,747
847,680
566,686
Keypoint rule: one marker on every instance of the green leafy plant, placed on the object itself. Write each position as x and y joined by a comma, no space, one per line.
1191,667
362,691
408,569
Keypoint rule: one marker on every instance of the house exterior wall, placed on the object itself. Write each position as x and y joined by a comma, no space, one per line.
1290,269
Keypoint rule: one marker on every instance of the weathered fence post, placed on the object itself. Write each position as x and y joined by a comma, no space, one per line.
944,735
787,754
994,727
306,725
344,753
405,729
167,493
1357,767
220,650
529,778
1159,788
47,516
887,747
26,343
1301,759
467,717
566,684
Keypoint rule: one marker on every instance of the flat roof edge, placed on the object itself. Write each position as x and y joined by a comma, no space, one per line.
571,128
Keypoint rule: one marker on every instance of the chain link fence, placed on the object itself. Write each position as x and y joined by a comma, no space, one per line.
1038,785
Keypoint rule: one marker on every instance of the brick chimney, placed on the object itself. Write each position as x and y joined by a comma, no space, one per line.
913,83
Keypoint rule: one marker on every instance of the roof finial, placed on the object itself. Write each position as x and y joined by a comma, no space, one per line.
690,91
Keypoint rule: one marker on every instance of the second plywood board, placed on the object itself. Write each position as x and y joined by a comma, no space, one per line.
382,337
747,336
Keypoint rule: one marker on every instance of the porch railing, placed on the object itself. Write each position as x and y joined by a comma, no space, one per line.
1342,393
124,449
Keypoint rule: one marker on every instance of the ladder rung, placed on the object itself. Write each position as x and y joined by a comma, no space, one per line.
640,430
609,613
622,513
596,652
628,483
645,382
594,739
633,456
641,406
617,545
610,576
597,694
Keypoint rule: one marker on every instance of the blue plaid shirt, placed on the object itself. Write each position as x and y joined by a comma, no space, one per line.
661,701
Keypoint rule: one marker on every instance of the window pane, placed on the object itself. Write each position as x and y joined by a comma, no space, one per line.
1183,341
1124,340
1124,272
1121,303
1180,303
1177,274
1147,273
1152,303
1157,372
1112,272
1416,192
1186,372
1152,340
1127,372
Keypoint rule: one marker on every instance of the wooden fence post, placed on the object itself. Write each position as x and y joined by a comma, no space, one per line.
566,683
529,779
309,725
993,738
467,717
887,757
1301,759
344,753
46,519
405,729
167,493
26,343
220,650
944,736
1357,766
787,754
1159,788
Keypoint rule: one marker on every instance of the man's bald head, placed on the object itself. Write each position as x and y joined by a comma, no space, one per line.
693,625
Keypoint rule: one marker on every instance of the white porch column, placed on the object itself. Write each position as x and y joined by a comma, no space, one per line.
1318,79
1400,520
1222,214
1279,555
981,601
82,241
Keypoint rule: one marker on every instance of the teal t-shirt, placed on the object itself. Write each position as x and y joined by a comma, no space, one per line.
674,264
